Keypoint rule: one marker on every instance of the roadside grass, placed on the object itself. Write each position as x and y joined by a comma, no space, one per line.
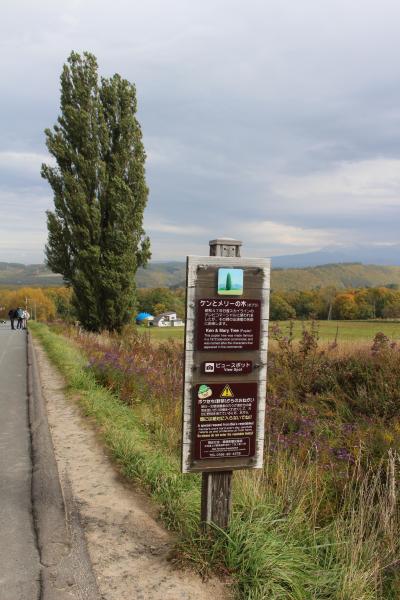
280,544
129,441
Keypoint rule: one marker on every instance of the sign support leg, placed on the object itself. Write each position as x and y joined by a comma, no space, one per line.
216,498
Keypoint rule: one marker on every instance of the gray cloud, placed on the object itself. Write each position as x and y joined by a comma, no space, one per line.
277,122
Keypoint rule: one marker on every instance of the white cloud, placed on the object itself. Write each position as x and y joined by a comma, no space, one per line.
173,229
271,234
162,151
30,161
23,230
353,186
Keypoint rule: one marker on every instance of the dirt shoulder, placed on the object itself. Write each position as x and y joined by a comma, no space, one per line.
129,550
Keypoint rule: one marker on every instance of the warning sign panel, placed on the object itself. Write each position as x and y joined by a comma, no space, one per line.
225,420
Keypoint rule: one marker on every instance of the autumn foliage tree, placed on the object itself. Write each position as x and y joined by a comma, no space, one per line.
36,300
280,309
327,303
95,234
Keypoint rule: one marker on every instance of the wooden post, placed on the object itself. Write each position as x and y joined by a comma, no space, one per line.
216,488
216,498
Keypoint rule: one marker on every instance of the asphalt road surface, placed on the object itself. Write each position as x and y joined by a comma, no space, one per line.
43,553
19,556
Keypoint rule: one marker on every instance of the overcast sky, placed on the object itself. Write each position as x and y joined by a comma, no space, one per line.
274,121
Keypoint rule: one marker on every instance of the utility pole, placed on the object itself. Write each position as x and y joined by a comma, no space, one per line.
33,307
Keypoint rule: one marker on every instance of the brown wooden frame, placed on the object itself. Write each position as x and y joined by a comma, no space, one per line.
201,283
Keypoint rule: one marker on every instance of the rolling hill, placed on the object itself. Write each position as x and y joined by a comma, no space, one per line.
17,275
342,275
346,275
172,274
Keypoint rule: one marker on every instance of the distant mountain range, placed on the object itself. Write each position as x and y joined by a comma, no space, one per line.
367,255
342,275
173,274
17,274
388,255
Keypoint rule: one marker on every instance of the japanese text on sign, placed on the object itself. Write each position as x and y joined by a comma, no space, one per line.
228,324
225,418
228,367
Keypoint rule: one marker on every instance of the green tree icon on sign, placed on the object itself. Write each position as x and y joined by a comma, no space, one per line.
230,282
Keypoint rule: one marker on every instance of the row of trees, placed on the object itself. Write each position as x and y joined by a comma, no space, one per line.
330,303
57,303
159,300
326,303
45,304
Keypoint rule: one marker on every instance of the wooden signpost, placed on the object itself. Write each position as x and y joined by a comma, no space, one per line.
226,340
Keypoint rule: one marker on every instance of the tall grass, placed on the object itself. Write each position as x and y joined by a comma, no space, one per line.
320,521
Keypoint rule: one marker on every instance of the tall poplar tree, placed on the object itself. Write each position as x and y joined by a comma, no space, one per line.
95,234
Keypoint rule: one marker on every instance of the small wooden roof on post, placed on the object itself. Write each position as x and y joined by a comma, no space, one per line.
225,247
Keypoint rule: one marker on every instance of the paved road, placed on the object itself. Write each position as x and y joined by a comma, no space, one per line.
19,558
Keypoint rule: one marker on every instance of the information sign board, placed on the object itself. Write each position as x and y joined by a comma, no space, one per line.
226,339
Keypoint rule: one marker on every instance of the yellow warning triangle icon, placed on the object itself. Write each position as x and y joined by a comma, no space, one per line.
227,392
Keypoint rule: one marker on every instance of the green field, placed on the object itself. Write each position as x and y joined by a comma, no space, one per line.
347,331
163,333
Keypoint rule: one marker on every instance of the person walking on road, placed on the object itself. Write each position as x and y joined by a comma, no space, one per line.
11,316
19,313
25,319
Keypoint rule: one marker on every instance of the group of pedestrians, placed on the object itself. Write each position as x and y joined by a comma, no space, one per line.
20,315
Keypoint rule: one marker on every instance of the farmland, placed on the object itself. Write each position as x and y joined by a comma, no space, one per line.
345,331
